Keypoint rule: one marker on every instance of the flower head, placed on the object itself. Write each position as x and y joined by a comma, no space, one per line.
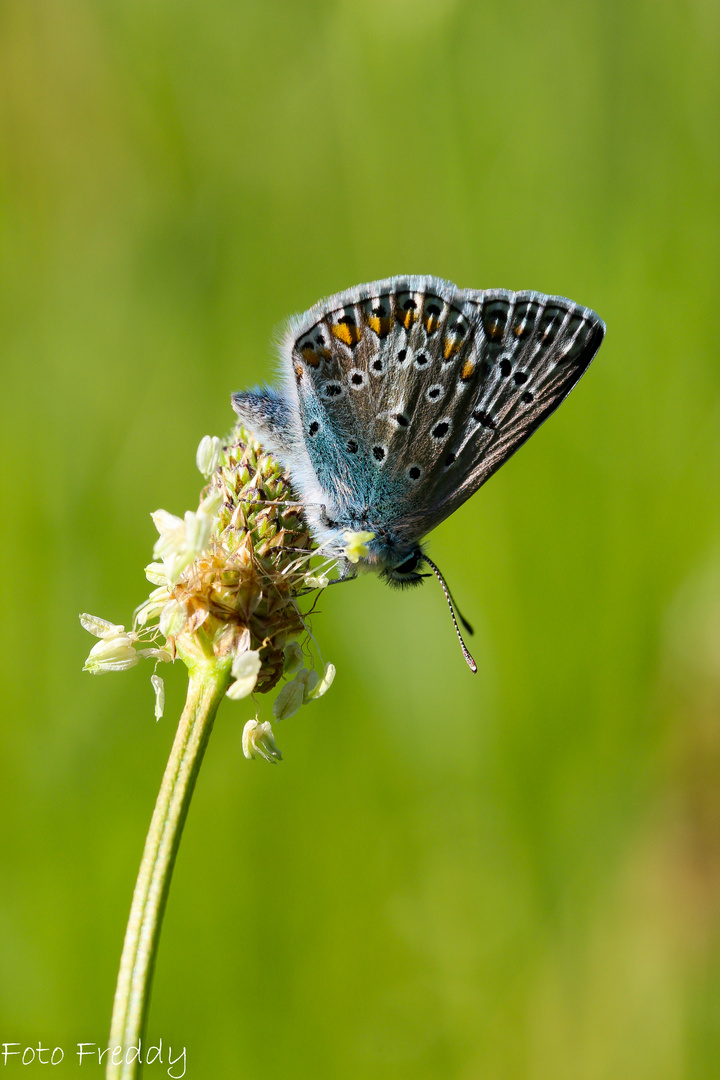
229,577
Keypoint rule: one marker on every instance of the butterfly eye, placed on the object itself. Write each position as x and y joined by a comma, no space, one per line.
410,565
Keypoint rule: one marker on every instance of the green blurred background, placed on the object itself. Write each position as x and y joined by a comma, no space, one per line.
515,875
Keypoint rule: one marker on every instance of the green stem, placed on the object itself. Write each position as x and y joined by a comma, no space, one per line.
207,684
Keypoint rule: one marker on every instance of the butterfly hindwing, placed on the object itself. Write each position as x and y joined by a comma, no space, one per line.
411,393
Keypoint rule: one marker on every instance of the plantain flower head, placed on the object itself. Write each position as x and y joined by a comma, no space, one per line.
229,580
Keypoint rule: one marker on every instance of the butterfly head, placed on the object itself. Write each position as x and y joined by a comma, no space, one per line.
403,570
378,551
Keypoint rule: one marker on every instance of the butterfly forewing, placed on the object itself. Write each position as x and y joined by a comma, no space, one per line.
412,393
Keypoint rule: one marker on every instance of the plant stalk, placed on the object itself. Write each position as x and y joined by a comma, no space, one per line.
208,681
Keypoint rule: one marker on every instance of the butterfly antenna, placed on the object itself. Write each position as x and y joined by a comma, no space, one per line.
470,662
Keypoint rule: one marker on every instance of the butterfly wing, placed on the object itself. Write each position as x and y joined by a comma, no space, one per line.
410,393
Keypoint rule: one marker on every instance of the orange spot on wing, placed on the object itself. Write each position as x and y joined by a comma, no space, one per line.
380,325
468,368
451,346
311,357
347,333
406,318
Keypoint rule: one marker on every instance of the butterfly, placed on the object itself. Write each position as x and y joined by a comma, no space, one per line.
400,398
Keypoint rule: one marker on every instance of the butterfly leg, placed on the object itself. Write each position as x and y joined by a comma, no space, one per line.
351,575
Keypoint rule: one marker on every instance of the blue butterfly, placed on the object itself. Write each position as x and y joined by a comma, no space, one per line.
400,398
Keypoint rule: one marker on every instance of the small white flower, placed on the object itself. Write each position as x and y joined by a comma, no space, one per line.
210,505
208,454
245,670
293,658
159,688
173,618
181,541
356,545
100,628
323,685
197,532
156,574
112,654
166,523
152,607
171,546
258,741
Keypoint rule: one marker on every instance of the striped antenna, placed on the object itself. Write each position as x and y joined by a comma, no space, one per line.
470,662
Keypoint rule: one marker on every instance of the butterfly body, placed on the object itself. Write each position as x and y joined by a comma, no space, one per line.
401,397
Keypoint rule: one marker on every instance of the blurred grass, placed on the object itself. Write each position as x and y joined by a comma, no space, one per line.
512,876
